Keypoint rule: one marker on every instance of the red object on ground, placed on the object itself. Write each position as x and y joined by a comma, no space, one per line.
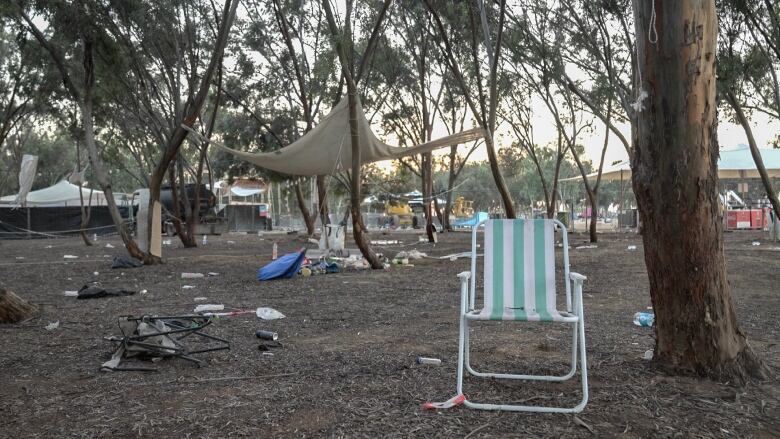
751,219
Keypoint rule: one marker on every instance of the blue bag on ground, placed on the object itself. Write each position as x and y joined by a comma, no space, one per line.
285,267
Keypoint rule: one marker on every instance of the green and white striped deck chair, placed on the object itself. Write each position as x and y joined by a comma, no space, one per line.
519,285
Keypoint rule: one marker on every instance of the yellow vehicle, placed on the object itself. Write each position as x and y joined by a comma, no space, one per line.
463,208
399,214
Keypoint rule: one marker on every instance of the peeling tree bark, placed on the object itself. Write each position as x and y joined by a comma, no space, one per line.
675,181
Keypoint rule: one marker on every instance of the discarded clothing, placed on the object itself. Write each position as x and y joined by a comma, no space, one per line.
96,292
285,267
126,262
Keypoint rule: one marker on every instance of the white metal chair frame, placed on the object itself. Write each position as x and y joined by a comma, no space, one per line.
468,299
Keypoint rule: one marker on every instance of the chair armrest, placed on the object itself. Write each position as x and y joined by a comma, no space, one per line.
464,276
577,278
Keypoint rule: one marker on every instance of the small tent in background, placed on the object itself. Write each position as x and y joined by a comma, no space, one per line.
58,195
56,210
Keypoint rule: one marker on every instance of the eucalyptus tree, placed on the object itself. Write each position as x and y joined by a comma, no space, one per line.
481,94
295,59
343,41
675,179
125,38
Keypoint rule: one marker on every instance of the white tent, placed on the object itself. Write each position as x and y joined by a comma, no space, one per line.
733,163
61,194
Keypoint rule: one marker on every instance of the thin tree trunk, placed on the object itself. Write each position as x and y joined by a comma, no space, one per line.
191,112
97,163
358,228
755,152
308,218
675,181
322,199
85,213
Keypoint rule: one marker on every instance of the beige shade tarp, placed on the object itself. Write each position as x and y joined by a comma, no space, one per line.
733,163
327,148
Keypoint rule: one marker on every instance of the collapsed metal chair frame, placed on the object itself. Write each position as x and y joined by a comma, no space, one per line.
138,344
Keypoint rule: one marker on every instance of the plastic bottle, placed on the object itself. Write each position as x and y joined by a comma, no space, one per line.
274,253
424,360
205,241
644,319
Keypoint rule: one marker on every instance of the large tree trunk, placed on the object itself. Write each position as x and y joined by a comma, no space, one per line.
755,152
13,309
675,182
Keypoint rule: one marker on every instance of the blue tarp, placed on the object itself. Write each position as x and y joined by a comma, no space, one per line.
473,221
285,267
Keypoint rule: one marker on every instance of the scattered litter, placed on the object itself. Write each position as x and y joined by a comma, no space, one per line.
106,256
385,242
414,254
305,271
48,246
143,292
205,241
150,337
456,256
191,275
452,402
644,319
584,424
268,354
166,242
108,245
200,299
20,257
187,287
432,361
96,273
586,246
756,243
266,335
209,307
212,274
269,314
71,293
313,241
631,247
648,354
52,326
422,238
231,242
70,257
96,292
125,262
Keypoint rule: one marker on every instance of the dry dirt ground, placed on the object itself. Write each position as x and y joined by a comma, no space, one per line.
347,365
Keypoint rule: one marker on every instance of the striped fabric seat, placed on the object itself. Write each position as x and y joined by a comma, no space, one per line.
520,272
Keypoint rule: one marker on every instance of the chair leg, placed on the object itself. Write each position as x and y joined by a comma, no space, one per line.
583,363
462,342
510,376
